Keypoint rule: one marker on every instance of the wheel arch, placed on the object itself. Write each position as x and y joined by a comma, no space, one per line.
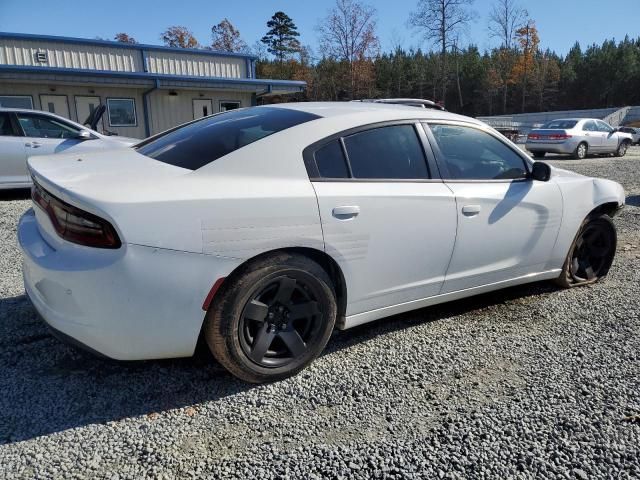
321,258
608,208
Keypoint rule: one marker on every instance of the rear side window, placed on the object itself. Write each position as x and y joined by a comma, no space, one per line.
471,154
199,143
392,152
330,161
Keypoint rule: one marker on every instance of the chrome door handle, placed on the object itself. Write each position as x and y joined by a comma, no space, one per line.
471,210
346,212
33,144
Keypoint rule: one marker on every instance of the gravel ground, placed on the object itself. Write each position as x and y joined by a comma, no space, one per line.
527,382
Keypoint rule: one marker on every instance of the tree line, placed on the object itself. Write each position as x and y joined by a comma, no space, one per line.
514,76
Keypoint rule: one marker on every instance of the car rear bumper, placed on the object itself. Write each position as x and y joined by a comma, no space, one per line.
133,303
566,147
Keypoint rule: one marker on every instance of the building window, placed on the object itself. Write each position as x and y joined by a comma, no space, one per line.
122,112
16,101
226,105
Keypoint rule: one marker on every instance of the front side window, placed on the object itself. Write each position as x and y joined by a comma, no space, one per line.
122,112
471,154
391,152
603,127
6,129
199,143
39,126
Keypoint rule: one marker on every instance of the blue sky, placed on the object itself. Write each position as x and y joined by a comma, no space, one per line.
560,22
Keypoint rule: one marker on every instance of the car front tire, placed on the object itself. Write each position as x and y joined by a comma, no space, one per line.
591,253
272,319
622,149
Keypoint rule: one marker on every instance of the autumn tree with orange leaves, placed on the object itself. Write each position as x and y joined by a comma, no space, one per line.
528,41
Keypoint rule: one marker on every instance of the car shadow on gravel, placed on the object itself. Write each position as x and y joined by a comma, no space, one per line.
49,387
17,194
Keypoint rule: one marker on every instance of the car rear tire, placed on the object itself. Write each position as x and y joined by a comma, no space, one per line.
272,319
581,151
539,154
591,253
622,149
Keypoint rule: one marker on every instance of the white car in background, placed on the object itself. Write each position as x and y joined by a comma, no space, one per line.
25,133
262,229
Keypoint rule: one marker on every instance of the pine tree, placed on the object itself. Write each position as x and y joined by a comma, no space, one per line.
281,38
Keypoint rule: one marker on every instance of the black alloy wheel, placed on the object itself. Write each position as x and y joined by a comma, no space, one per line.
272,317
279,322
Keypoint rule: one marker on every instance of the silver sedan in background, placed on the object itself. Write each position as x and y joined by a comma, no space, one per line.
577,137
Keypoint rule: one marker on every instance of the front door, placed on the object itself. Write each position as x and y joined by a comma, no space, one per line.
388,225
85,106
609,137
507,223
202,107
13,159
55,104
45,134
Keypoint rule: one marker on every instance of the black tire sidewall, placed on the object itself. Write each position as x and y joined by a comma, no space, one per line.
566,279
222,322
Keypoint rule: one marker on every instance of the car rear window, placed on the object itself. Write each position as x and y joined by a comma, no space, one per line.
561,124
199,143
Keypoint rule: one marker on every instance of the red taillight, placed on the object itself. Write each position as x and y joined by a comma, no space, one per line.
560,136
533,136
73,224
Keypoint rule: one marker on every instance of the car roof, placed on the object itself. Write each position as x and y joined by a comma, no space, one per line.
376,111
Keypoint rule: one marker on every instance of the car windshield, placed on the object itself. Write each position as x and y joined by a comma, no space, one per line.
199,143
561,124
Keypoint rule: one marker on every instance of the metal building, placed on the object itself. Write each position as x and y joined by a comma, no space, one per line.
146,88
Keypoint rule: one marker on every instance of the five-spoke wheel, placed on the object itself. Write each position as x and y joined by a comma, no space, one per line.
272,318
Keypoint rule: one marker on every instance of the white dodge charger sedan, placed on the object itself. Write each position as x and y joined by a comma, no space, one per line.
265,228
25,133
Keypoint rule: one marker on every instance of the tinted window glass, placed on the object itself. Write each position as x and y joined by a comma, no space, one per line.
330,161
471,154
45,127
6,130
561,124
16,101
387,152
122,112
199,143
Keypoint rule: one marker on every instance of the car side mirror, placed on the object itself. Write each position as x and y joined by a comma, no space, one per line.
84,135
540,171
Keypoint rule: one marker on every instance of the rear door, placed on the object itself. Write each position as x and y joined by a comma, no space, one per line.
386,220
13,159
507,223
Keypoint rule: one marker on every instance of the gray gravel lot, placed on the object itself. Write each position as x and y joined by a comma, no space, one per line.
527,382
